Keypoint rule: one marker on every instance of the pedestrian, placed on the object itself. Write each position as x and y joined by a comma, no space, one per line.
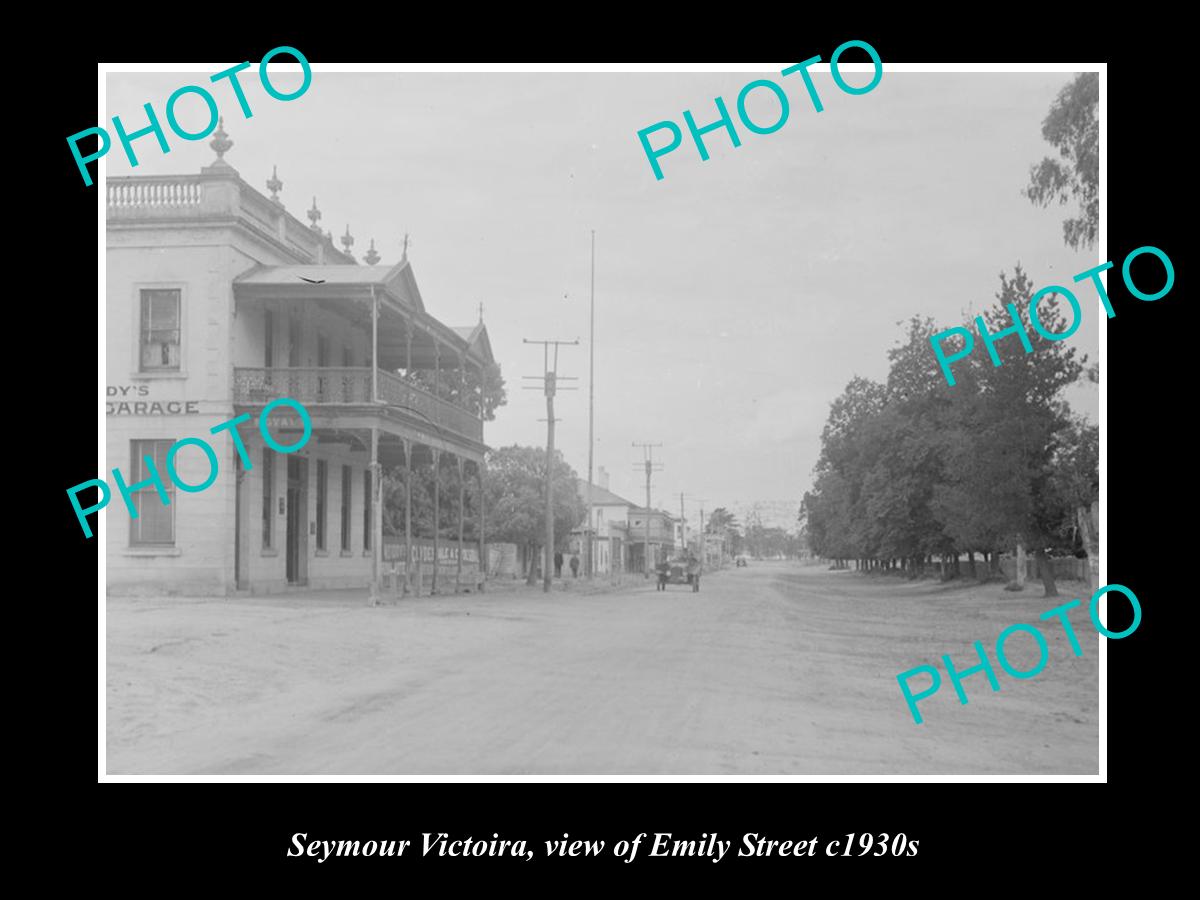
574,566
558,559
664,571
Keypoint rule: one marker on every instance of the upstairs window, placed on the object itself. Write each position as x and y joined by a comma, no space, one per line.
160,331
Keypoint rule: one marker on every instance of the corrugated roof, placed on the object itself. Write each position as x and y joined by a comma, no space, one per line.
600,496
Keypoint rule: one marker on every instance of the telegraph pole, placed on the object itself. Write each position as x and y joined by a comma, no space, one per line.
591,403
549,386
650,466
682,524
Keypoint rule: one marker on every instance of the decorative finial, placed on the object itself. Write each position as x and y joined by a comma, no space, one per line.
481,312
220,142
314,215
347,241
404,253
274,185
371,257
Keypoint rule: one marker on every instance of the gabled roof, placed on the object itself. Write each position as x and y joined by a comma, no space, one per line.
600,496
477,339
395,286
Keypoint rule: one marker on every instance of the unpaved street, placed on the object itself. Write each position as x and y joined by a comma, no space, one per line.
772,669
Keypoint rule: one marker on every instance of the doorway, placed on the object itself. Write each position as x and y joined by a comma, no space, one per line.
297,520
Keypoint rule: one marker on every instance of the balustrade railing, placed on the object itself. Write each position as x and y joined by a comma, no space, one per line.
398,392
341,385
308,385
142,193
134,198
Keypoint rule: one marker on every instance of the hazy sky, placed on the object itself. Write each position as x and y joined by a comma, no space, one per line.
734,299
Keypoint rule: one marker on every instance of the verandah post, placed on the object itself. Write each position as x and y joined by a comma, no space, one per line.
408,554
462,487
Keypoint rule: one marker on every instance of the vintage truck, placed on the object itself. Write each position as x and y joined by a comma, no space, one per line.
679,570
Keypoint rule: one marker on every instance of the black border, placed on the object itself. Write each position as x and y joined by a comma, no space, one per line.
1147,405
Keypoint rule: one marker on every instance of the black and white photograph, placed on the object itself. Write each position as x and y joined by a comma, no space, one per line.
605,422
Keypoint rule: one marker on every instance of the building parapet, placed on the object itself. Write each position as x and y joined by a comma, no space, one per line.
216,196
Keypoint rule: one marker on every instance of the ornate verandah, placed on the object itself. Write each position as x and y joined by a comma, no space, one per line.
420,398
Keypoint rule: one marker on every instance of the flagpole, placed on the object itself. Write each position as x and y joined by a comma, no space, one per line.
591,417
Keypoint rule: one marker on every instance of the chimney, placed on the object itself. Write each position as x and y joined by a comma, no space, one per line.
602,477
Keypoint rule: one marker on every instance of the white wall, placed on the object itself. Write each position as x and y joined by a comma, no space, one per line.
187,403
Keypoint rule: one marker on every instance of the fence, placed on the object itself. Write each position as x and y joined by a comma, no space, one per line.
450,577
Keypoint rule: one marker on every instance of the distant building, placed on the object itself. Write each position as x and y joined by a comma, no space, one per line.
660,538
714,550
610,528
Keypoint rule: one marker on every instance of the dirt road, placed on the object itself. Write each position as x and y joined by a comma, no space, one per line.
772,669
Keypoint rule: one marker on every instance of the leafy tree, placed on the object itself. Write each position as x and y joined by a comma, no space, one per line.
422,500
861,399
912,438
829,518
916,467
494,394
1072,127
845,457
1075,484
516,500
720,520
1015,421
462,390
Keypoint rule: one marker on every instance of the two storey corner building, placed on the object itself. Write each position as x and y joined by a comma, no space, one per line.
218,302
